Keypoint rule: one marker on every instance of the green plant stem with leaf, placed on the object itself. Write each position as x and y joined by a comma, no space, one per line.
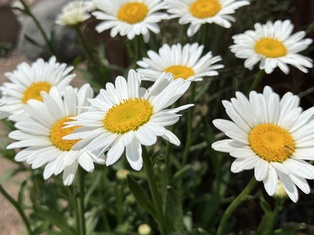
18,208
154,192
80,208
189,139
243,196
48,42
257,80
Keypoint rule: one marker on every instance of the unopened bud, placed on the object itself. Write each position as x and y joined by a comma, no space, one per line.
122,174
144,229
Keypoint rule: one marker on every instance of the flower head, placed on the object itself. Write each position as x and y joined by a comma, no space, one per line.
75,12
273,136
27,82
130,17
184,62
41,132
126,116
198,12
273,45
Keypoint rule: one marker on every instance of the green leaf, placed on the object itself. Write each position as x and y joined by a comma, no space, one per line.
173,211
54,218
32,41
289,230
20,199
202,232
10,173
141,196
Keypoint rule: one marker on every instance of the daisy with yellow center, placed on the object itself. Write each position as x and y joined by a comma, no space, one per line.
273,136
199,12
130,17
185,62
41,133
28,81
125,116
273,46
75,12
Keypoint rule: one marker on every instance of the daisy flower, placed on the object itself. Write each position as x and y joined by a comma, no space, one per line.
273,136
198,12
126,116
273,46
27,82
184,62
130,17
75,12
40,133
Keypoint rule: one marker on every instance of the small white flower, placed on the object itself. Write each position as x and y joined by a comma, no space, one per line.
199,12
184,62
75,12
126,116
40,133
27,82
273,136
273,45
130,17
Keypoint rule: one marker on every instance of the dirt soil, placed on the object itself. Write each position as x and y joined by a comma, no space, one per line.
10,221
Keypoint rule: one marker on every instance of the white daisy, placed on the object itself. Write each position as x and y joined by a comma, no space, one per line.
27,81
126,116
184,62
41,132
273,136
130,17
273,45
198,12
75,12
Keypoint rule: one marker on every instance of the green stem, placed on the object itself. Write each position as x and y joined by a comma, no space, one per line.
87,47
188,140
204,35
154,191
257,80
272,218
18,208
38,25
234,205
80,218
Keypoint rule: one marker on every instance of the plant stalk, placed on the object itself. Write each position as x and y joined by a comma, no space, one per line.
234,205
154,191
18,208
80,218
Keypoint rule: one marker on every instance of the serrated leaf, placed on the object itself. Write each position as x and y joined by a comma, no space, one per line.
141,196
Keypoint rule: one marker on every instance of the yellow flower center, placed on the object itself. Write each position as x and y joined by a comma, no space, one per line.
271,142
33,91
58,131
180,71
205,8
133,12
128,115
271,48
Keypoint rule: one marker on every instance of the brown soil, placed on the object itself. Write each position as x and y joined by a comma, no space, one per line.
10,221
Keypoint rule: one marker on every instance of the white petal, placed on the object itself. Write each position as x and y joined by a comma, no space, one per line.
134,155
114,153
69,173
271,181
